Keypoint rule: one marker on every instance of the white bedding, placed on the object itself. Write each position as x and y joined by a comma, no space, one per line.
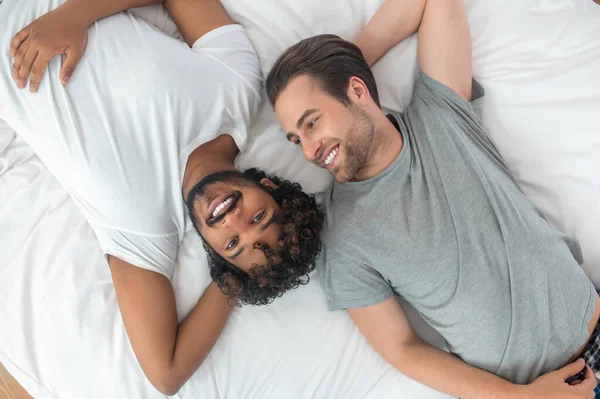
61,335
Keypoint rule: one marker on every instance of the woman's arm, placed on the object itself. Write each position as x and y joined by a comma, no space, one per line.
168,353
61,31
195,18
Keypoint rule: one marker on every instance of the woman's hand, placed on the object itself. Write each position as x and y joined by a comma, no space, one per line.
61,31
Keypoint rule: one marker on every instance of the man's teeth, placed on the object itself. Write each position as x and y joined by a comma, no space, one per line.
221,206
331,156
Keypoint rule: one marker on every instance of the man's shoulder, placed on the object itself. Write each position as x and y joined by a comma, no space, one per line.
430,94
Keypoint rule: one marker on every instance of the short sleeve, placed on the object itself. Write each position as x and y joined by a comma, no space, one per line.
154,253
350,284
430,92
430,97
434,105
231,50
230,45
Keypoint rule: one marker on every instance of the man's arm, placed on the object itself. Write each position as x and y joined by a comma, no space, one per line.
387,329
168,354
444,46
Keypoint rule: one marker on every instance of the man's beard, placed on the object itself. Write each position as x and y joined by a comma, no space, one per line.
358,145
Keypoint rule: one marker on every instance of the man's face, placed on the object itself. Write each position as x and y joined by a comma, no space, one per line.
234,214
332,135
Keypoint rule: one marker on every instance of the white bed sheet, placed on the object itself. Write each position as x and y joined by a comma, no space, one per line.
60,331
62,337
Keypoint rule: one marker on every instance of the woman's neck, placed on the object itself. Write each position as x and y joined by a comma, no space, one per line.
214,156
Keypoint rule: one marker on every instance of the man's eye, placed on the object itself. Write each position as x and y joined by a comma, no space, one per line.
232,243
311,124
259,217
297,141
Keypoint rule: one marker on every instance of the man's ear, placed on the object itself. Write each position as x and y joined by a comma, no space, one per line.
358,91
268,183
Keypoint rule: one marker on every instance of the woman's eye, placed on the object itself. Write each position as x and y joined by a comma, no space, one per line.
258,217
232,243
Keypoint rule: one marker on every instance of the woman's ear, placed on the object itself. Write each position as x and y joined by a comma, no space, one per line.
268,184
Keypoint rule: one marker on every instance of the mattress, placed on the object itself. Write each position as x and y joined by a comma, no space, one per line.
61,335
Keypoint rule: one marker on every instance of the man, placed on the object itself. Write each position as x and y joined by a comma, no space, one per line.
141,123
424,207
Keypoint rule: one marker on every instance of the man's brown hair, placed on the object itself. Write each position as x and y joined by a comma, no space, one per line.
329,59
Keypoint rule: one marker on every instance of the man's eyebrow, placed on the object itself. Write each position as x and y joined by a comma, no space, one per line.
304,116
238,253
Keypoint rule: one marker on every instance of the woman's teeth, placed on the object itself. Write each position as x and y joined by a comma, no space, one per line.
221,206
331,156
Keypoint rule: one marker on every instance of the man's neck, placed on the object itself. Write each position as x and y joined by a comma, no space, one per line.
387,144
214,156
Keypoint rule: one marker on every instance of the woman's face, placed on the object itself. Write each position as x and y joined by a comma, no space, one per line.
234,215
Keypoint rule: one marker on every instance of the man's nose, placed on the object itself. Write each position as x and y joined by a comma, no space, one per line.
312,150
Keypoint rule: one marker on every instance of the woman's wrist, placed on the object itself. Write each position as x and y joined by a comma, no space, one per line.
79,11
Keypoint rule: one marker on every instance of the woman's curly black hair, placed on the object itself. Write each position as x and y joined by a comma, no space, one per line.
289,264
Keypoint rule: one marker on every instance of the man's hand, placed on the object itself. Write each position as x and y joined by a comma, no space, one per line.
61,31
553,385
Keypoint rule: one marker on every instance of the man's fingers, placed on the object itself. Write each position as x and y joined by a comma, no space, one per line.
25,69
18,40
571,369
589,380
37,70
71,61
21,51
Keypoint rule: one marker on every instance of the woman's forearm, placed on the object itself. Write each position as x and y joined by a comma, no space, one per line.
92,10
196,335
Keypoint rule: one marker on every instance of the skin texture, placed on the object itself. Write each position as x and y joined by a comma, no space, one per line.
247,222
243,225
329,124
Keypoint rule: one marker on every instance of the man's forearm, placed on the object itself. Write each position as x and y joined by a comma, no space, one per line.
393,22
447,373
92,10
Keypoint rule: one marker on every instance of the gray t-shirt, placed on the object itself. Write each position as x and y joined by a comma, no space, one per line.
446,227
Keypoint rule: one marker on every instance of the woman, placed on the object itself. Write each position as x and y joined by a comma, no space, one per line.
138,122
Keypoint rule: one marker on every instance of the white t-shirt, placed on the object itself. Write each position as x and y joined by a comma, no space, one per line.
118,136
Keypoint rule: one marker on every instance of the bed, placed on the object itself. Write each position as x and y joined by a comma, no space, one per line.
61,335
